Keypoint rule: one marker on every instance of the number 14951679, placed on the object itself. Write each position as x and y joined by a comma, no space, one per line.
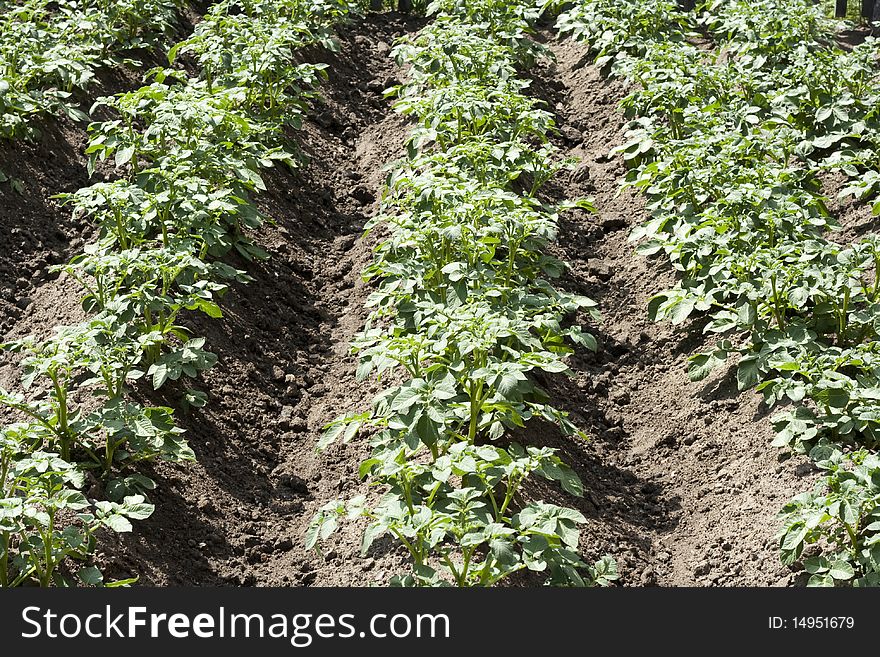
811,623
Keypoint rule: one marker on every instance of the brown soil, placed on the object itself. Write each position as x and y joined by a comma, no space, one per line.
682,482
35,231
239,515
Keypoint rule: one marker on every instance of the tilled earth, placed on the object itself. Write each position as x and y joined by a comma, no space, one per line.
683,485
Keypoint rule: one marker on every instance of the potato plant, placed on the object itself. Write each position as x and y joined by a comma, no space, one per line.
51,50
465,311
47,526
842,512
189,150
616,30
728,145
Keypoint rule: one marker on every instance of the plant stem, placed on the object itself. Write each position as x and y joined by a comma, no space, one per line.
475,393
63,429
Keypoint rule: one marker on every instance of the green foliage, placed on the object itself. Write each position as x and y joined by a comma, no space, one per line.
51,50
729,146
190,150
465,310
47,526
615,30
842,514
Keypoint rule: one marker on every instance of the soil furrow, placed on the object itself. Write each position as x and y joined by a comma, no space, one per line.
238,515
682,483
687,485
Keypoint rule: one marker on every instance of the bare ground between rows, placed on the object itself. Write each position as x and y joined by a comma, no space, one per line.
238,516
683,484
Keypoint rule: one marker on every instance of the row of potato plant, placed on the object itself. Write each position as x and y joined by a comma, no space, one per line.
464,311
731,145
52,49
192,148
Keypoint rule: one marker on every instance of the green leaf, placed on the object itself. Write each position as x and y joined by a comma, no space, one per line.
700,365
722,323
841,570
136,508
571,483
331,434
654,305
821,580
210,308
124,154
833,397
579,337
351,431
172,53
794,537
446,388
405,398
313,533
328,526
682,310
502,550
746,314
117,523
159,373
496,430
747,373
509,384
814,565
90,576
371,533
554,366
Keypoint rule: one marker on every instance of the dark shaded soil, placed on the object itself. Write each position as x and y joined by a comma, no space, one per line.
682,482
35,231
